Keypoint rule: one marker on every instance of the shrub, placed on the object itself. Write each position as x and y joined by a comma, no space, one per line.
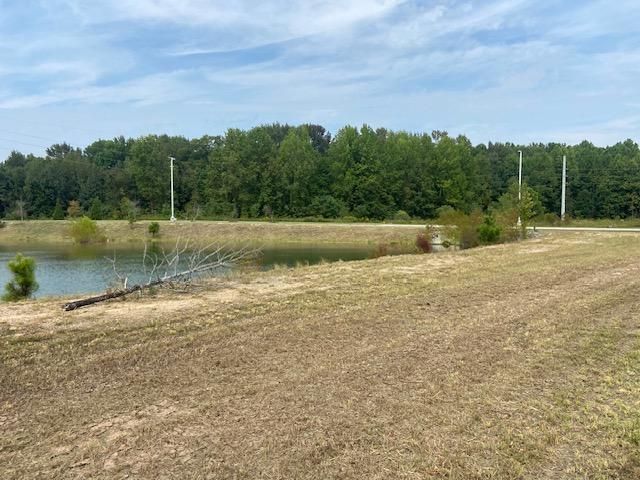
24,282
402,216
460,228
423,242
382,250
550,219
154,229
3,224
85,230
489,232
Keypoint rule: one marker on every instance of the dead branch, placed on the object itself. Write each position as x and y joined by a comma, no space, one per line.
179,266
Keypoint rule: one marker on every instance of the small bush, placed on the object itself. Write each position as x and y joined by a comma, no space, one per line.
489,232
423,242
402,216
24,282
154,229
382,250
460,228
550,219
3,224
85,230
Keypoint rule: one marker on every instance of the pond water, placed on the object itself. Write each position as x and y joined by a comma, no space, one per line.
77,270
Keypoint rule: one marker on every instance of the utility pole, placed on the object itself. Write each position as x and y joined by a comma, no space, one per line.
519,188
563,207
173,217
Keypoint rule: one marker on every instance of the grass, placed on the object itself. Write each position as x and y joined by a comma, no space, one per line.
513,361
262,233
593,223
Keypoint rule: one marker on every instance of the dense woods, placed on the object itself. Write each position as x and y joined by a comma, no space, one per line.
284,171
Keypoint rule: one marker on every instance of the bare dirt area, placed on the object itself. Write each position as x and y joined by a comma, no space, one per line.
514,361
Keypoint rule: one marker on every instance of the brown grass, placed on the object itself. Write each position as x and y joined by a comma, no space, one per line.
260,233
514,361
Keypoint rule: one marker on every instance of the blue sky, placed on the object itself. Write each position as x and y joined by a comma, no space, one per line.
494,70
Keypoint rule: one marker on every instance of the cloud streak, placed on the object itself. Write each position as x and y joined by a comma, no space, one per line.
496,70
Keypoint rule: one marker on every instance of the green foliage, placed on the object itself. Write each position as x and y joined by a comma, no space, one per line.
401,216
23,284
154,229
489,232
58,212
85,230
461,228
326,206
302,171
525,208
95,209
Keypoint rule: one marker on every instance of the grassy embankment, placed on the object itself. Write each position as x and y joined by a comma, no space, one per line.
258,233
515,361
592,223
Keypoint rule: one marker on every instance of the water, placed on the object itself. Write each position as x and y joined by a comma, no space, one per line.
78,270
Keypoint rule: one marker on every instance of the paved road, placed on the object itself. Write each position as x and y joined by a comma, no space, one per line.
586,229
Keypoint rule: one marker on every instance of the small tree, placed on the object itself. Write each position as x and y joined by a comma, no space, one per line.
73,210
95,209
489,232
526,208
58,212
21,210
24,282
154,229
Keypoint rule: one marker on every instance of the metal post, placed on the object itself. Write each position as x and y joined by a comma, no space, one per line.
563,207
519,187
173,217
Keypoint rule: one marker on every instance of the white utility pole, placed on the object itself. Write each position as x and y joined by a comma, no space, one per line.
173,217
563,207
519,187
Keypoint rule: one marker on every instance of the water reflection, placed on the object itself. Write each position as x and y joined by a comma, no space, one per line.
73,270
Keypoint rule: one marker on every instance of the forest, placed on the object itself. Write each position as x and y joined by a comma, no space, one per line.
282,171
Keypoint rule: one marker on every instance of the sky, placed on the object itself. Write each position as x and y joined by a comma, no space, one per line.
494,70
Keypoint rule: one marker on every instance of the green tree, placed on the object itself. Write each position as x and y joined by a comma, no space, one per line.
58,212
525,209
23,284
95,209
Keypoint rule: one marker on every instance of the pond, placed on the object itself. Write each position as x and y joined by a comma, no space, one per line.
78,270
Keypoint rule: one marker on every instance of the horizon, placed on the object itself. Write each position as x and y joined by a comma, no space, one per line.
499,71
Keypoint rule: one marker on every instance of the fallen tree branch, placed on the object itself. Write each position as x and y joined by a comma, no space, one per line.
108,296
199,262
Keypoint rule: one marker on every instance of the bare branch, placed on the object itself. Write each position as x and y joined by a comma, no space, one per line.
205,260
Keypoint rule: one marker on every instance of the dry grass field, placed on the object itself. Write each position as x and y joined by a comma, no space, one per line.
259,233
514,361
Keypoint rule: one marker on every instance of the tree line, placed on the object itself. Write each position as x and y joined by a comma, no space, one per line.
303,171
